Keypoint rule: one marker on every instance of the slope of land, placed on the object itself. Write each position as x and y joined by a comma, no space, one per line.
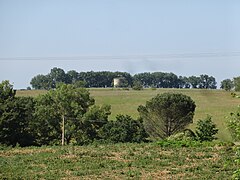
217,103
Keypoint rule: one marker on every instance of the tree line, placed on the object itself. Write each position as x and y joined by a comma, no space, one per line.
105,79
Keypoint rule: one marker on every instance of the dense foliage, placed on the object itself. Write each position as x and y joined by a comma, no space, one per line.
234,124
227,84
16,115
105,79
123,129
236,82
167,114
64,115
206,129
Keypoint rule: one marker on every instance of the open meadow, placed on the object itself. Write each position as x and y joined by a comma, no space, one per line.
217,103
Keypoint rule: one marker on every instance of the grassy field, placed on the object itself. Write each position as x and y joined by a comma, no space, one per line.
216,103
119,161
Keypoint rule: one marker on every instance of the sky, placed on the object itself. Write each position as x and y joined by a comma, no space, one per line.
186,37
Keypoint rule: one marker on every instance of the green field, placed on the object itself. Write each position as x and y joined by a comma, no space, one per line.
155,160
217,103
119,161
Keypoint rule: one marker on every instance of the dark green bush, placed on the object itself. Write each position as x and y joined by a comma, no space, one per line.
206,129
124,129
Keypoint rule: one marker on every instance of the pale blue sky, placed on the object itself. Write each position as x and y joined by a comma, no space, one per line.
207,31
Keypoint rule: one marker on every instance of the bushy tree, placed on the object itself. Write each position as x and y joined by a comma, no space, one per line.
123,129
15,117
206,129
207,82
236,82
167,114
92,121
41,82
227,84
62,107
68,113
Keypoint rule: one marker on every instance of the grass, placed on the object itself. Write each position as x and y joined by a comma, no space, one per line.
217,103
119,161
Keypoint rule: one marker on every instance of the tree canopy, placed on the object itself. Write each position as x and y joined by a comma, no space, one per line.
16,115
166,114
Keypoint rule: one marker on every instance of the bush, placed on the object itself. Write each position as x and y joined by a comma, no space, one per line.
206,129
234,125
124,129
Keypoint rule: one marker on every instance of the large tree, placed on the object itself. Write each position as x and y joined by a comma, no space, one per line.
167,114
15,117
207,82
227,84
67,113
236,82
53,109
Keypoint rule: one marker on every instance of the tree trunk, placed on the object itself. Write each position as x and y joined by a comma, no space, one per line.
63,129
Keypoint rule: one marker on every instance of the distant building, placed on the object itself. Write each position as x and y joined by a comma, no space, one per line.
118,82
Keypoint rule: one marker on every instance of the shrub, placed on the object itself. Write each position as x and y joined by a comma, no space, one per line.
124,129
206,129
234,124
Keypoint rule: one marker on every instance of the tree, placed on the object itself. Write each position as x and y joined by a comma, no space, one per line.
207,82
206,129
41,82
166,114
15,117
227,84
146,79
72,76
137,86
123,129
194,81
57,75
236,82
93,120
66,103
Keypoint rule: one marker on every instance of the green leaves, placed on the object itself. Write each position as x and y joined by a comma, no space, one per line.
206,129
234,124
15,117
124,129
167,114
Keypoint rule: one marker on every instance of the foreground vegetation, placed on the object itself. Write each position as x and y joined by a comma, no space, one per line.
120,161
217,103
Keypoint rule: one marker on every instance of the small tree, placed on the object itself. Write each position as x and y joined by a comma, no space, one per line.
167,114
206,129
